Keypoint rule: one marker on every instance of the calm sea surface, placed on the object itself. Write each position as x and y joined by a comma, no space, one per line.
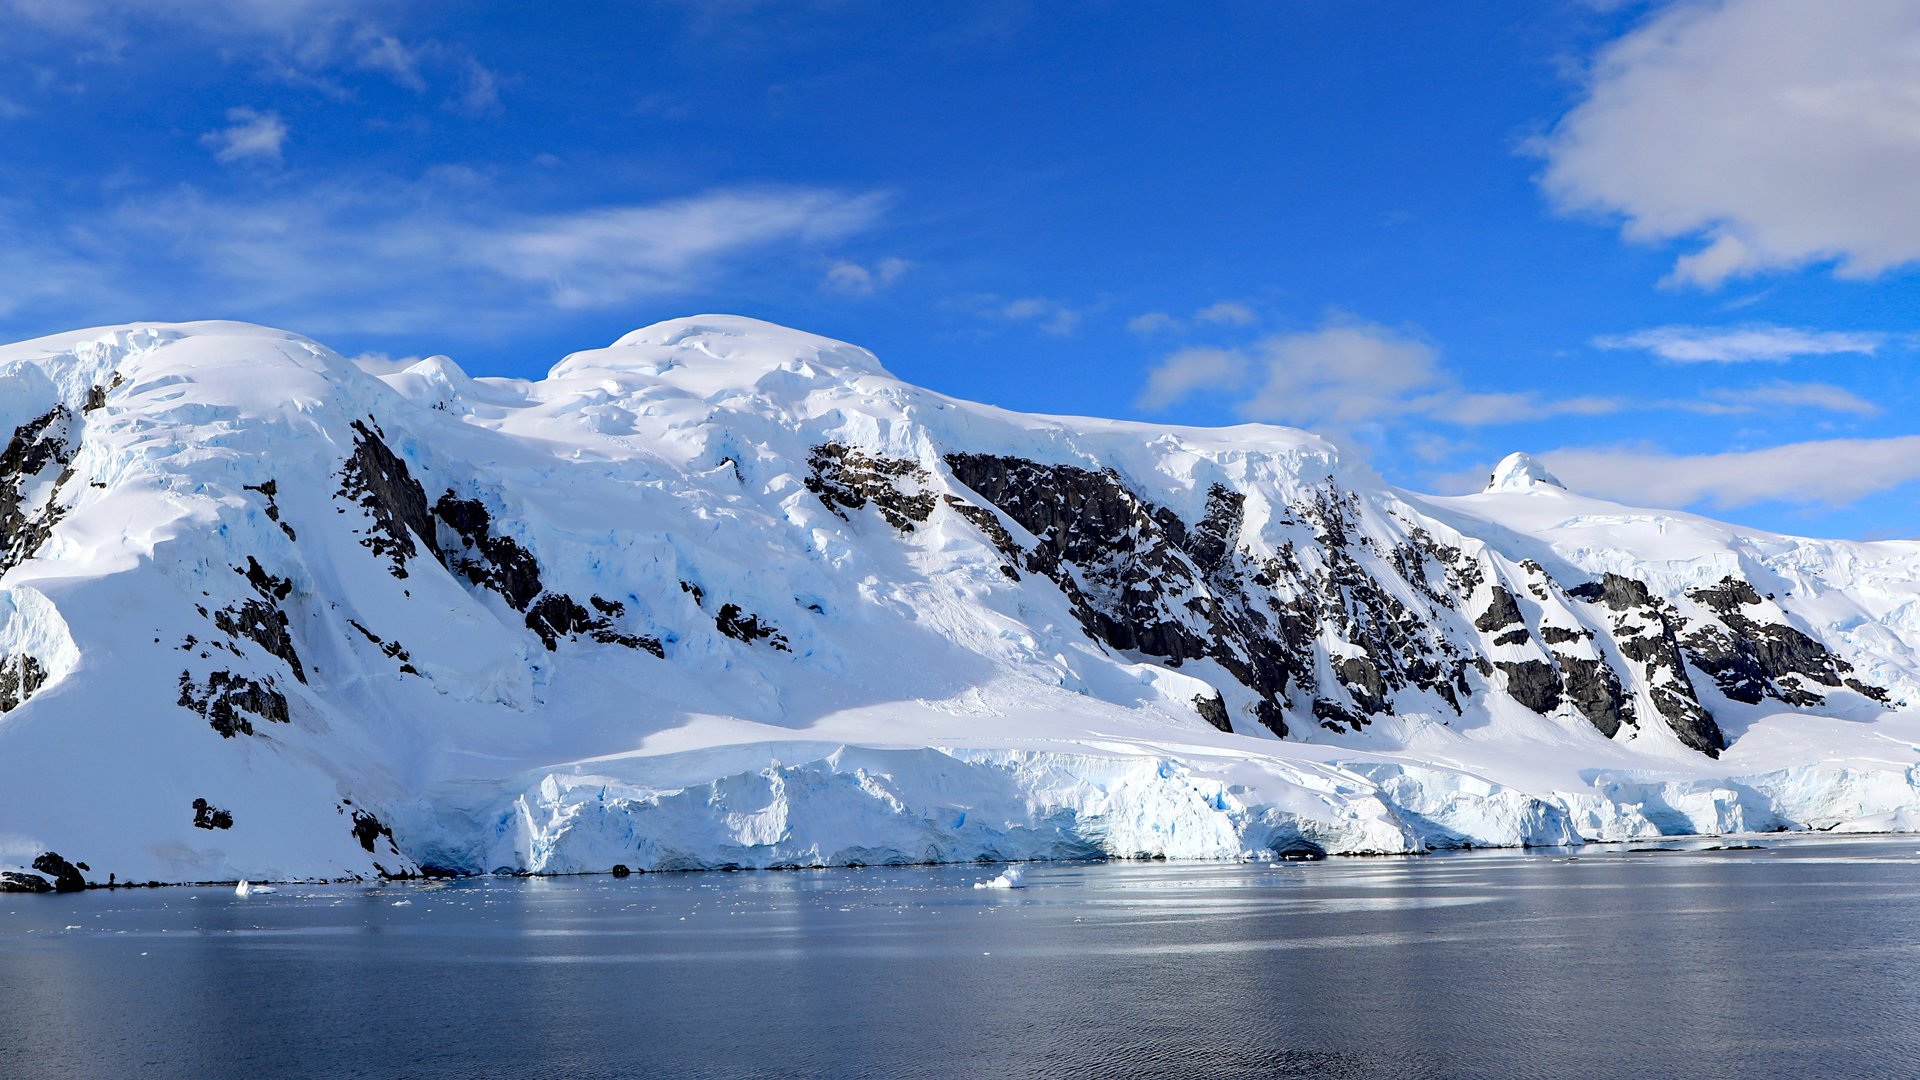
1798,957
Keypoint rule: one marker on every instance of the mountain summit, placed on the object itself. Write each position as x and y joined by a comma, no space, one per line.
1520,472
729,594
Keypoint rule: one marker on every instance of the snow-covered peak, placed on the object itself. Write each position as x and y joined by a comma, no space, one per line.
1520,472
722,350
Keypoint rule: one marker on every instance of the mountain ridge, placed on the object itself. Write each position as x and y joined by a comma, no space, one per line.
725,593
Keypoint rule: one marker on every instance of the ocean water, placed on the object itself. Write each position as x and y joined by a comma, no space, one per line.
1789,957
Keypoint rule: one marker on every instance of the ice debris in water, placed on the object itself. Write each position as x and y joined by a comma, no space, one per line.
1010,878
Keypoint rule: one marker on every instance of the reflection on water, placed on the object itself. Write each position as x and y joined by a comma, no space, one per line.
1797,957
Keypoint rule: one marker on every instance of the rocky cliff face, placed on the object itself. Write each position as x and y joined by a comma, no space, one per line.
337,608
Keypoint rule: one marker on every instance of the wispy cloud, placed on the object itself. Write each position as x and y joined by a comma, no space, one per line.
1737,344
313,44
606,256
1828,472
1049,316
1820,397
250,136
1150,323
1224,313
850,278
1345,374
393,257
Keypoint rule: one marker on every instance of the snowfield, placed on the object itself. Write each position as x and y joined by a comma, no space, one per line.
725,594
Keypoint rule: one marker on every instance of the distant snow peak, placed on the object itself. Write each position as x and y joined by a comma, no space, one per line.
1520,472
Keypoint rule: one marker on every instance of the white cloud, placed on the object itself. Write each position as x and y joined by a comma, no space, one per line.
1512,407
376,50
1344,374
1226,313
1051,316
1192,371
1781,133
480,89
306,43
1222,313
398,257
854,279
1829,472
93,18
250,136
1341,374
1153,322
1823,397
1733,344
379,363
604,257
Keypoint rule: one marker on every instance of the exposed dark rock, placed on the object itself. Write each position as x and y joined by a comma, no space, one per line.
989,525
1363,683
260,622
502,564
1120,560
1517,636
1211,542
66,876
556,615
622,870
15,882
393,649
486,558
846,478
208,816
1644,630
271,489
1139,579
1532,683
369,831
1213,710
20,677
1618,593
1751,660
740,626
39,448
377,480
1560,635
1502,612
276,589
229,702
1594,689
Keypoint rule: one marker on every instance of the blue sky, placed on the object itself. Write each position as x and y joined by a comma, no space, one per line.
1669,247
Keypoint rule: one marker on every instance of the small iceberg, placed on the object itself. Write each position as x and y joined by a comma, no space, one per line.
1010,878
248,888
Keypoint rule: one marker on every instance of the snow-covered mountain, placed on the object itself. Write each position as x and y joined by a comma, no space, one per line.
727,594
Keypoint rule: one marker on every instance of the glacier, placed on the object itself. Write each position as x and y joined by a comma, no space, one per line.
730,595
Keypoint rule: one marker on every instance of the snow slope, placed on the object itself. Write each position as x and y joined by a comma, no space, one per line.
728,594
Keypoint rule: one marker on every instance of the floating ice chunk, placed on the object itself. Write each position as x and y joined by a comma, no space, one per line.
1010,878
